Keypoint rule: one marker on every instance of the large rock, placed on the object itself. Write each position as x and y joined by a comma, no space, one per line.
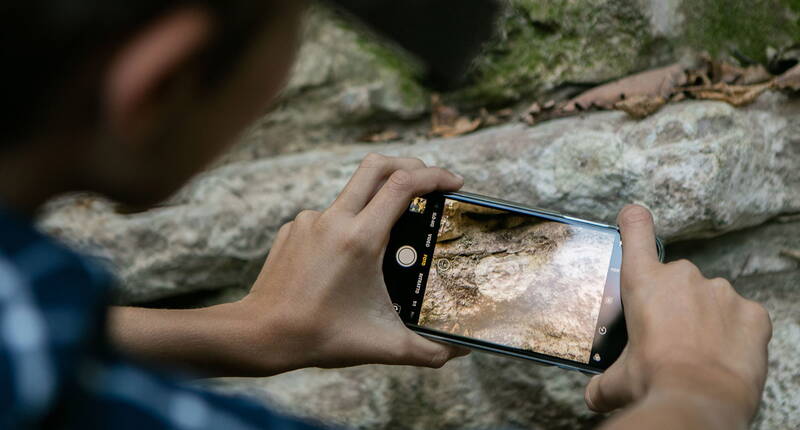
703,167
780,293
749,252
483,391
346,84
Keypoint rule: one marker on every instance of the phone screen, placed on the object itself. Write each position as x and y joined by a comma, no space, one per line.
515,280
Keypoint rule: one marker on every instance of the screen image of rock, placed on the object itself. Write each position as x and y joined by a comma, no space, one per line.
517,280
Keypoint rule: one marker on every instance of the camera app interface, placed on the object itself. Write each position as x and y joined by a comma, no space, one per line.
530,283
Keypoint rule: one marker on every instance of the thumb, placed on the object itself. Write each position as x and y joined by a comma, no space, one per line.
429,353
609,391
639,250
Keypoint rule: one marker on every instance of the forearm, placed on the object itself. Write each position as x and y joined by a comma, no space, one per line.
221,340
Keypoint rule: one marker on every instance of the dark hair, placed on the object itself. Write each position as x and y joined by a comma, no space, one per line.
50,45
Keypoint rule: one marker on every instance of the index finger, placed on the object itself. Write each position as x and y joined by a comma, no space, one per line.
638,239
392,200
365,182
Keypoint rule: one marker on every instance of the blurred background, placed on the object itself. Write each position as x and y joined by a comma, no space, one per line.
582,106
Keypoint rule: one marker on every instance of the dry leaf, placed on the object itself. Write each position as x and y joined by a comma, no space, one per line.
447,122
736,95
441,114
505,113
641,106
677,97
642,94
656,82
791,253
754,75
535,112
382,136
789,80
730,74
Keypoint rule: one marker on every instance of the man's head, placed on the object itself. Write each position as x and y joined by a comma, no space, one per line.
132,99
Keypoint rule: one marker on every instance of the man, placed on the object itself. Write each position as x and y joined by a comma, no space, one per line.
130,101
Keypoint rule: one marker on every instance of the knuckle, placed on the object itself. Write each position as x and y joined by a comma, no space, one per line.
757,311
353,241
401,181
286,228
441,172
417,162
439,359
684,267
635,214
721,283
306,217
326,220
373,159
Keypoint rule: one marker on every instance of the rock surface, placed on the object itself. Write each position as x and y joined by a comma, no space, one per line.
347,85
704,168
483,391
522,283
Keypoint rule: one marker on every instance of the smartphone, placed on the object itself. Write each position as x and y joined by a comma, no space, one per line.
504,278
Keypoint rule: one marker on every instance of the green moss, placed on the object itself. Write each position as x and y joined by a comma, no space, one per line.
394,64
544,43
745,27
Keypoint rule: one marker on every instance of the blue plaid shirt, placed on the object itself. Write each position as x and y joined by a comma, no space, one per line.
57,369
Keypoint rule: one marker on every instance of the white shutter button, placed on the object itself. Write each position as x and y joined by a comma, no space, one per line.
406,256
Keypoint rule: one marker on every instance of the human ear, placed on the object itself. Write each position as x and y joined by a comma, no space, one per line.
150,61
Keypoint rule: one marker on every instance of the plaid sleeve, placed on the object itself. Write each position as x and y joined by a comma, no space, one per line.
56,370
121,396
27,371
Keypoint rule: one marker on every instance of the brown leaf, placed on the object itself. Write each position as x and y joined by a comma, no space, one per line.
657,82
388,135
736,95
644,93
754,75
791,253
447,122
529,115
505,113
441,114
721,71
678,97
789,80
641,106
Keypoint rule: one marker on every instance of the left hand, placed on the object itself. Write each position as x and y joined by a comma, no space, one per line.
322,285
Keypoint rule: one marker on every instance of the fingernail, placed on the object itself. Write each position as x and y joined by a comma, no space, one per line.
459,177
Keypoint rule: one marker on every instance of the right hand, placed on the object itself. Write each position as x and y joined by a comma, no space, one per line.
687,335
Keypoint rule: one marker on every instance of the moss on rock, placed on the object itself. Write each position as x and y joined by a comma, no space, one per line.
745,27
542,44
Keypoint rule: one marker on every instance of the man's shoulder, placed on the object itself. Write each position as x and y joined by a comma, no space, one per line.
34,264
52,309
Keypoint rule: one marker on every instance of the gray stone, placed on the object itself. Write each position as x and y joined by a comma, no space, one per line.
780,293
744,253
484,391
704,168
